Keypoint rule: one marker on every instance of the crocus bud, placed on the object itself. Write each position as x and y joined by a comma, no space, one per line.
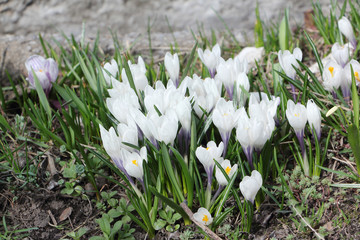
225,118
211,58
297,115
347,30
314,117
138,72
203,216
110,71
46,71
230,171
341,53
251,55
288,61
173,67
249,186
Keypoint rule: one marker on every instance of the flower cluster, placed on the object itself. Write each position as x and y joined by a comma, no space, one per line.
337,71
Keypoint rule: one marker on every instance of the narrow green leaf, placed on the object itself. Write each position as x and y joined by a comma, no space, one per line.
186,173
170,172
314,48
189,62
355,98
354,140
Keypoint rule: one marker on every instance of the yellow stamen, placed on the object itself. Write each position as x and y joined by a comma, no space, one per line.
205,218
227,170
135,162
207,148
296,114
40,70
331,69
225,114
357,76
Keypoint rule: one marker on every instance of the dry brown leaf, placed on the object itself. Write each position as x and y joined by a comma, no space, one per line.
65,214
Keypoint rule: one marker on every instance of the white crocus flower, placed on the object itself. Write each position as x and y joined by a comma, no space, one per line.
332,75
46,71
203,216
230,171
288,61
227,74
253,133
314,117
155,98
173,67
205,93
183,112
356,69
120,107
114,147
297,115
110,71
164,128
250,55
133,163
207,155
138,72
112,144
211,58
249,186
347,30
341,53
242,82
128,134
225,118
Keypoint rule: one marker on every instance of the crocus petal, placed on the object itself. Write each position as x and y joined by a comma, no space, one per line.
203,216
249,186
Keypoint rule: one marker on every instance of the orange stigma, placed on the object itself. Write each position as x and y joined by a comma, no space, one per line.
331,69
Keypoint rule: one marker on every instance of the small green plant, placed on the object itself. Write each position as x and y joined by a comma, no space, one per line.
119,230
187,234
168,219
76,235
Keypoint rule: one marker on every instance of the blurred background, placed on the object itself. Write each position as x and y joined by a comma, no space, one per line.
23,20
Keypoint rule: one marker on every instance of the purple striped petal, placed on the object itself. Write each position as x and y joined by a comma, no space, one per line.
51,69
35,62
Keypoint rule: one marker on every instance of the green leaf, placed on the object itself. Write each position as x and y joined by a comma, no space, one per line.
355,98
163,214
171,203
354,140
42,97
169,228
189,62
70,172
114,213
284,32
314,48
159,224
258,29
170,172
116,228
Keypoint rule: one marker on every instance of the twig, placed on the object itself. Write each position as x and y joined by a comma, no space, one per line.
207,230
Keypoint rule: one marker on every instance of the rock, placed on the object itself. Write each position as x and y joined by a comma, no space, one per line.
22,21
